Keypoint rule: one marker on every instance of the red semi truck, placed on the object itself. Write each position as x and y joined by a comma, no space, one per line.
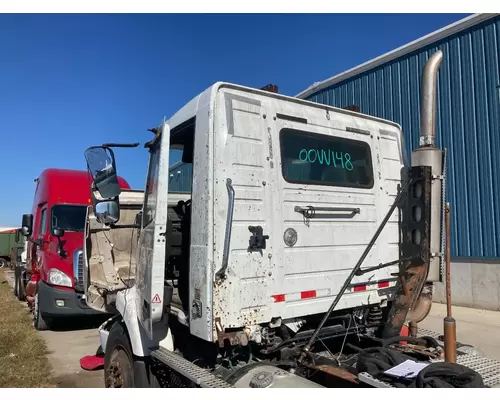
53,278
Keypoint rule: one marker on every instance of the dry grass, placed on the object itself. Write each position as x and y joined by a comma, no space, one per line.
23,360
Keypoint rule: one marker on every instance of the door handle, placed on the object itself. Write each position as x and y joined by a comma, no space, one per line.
310,211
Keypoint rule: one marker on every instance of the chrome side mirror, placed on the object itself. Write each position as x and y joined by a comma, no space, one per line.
107,212
101,165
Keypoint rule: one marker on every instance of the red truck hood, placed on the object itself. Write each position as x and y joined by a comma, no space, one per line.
73,241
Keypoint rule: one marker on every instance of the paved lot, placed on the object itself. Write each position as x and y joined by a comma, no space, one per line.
479,328
71,341
66,346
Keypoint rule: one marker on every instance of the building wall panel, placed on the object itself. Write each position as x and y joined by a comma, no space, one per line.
468,124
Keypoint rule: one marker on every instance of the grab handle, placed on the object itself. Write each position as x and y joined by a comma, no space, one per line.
221,274
310,211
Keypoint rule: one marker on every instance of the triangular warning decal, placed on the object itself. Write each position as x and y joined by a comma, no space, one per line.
156,298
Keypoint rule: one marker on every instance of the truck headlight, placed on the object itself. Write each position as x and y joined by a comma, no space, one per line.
59,278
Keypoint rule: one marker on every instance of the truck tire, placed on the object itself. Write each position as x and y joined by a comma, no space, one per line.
21,293
118,359
16,281
19,285
39,323
3,262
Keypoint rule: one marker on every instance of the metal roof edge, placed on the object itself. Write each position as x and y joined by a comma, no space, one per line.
432,37
309,103
188,111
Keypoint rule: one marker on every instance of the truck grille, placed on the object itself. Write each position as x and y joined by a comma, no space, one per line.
78,269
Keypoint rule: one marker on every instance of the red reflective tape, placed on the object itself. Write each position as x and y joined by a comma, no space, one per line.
383,284
359,288
308,294
278,298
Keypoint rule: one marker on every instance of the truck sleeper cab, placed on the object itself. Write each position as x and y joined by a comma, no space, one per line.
286,195
55,230
307,186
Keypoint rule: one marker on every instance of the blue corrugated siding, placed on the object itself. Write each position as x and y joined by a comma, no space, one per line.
468,124
180,178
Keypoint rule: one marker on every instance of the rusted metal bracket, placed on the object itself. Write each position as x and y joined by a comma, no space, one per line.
408,290
337,372
412,274
234,338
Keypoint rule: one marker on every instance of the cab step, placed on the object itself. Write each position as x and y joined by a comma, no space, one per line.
199,376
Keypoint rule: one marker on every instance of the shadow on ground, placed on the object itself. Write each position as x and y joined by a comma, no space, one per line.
77,324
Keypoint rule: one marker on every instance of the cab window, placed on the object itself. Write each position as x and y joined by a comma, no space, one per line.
310,158
43,221
181,158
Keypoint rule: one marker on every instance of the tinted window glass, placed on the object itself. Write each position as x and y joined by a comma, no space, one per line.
43,221
310,158
69,218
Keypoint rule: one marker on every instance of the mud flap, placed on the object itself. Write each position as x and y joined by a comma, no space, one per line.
141,378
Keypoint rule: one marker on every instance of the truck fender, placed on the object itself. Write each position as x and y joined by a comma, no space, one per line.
139,340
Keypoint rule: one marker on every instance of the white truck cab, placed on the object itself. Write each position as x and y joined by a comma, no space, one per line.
286,196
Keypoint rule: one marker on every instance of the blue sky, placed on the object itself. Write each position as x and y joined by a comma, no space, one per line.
71,81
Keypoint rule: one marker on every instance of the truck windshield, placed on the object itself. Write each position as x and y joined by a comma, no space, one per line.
68,217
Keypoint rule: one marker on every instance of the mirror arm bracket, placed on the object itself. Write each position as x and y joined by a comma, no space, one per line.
125,226
60,247
122,145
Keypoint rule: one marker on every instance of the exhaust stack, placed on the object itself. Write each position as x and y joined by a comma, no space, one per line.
427,154
412,299
428,95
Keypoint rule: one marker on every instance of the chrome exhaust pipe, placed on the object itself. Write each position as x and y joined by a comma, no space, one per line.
428,107
427,154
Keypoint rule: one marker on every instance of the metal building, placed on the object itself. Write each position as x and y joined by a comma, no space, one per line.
180,178
468,126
